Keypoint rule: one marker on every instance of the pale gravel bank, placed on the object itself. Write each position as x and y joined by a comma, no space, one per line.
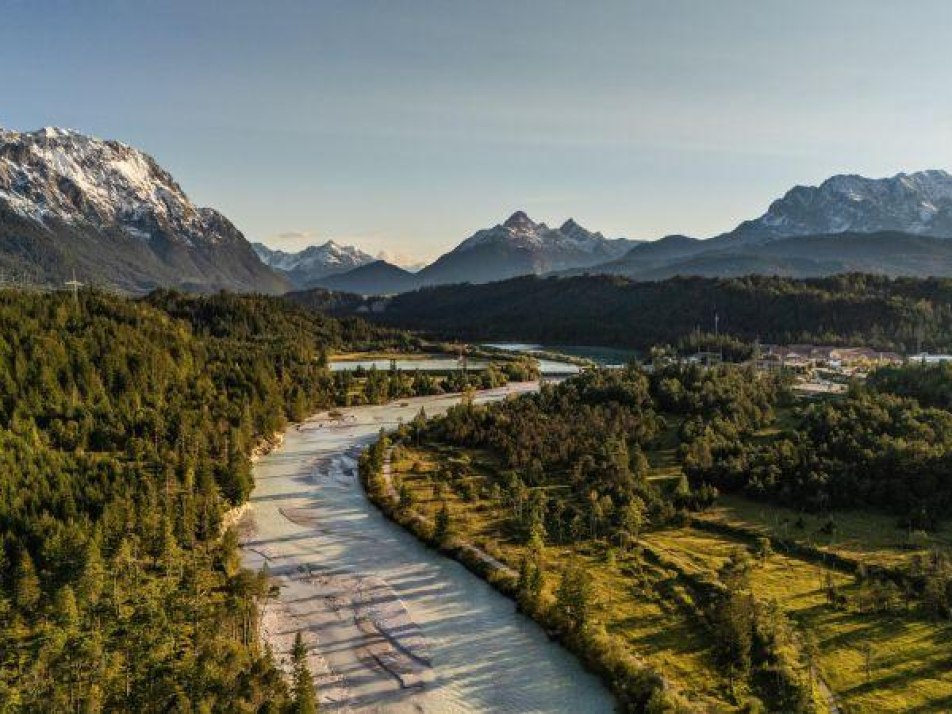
391,625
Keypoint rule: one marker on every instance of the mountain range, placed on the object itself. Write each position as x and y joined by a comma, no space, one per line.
71,204
893,226
518,246
308,267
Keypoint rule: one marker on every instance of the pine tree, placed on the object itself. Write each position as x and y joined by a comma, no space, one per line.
574,596
26,585
442,524
305,698
67,612
93,577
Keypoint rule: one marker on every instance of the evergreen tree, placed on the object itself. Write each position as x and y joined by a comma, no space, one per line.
442,528
26,585
305,698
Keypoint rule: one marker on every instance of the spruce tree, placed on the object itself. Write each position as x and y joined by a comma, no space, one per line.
305,698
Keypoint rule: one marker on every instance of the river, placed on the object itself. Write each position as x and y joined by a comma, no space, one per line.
548,367
391,625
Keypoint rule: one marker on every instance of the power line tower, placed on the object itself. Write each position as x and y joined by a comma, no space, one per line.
74,285
717,336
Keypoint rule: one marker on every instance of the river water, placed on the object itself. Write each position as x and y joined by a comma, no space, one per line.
443,364
392,625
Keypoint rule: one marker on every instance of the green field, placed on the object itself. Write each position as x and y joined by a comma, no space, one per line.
646,604
863,536
633,596
909,654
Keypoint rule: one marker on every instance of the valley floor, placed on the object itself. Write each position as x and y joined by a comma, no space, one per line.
391,625
864,658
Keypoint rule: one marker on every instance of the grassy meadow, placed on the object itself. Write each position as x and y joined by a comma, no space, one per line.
646,594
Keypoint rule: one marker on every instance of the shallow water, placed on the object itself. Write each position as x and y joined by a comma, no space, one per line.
401,627
442,364
602,356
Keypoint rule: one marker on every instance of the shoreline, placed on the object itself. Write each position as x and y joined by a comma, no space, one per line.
373,643
645,681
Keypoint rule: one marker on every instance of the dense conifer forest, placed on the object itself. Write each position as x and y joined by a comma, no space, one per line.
899,314
886,445
125,434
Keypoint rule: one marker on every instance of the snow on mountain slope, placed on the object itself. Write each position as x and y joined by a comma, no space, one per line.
521,232
919,203
314,262
520,246
62,191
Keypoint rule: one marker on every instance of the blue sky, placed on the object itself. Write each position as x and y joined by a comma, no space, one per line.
405,126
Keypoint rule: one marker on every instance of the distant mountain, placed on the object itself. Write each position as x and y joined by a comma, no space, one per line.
646,256
520,246
883,253
891,226
376,278
71,203
918,203
305,268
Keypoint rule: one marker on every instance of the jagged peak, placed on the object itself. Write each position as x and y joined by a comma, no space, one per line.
918,202
519,219
55,132
846,179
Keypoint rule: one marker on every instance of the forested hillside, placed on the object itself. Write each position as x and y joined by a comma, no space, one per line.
895,314
125,434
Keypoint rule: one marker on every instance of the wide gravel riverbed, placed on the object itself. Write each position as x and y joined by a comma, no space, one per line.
391,625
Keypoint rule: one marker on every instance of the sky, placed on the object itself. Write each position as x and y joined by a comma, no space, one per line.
406,125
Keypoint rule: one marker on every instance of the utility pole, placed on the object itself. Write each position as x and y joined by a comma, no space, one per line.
717,341
74,285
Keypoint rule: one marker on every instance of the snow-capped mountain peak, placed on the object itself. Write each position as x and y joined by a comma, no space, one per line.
61,174
519,221
918,203
314,262
72,202
521,246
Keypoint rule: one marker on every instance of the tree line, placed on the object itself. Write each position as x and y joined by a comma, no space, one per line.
900,314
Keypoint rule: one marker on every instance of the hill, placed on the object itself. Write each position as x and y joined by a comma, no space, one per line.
616,311
376,278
